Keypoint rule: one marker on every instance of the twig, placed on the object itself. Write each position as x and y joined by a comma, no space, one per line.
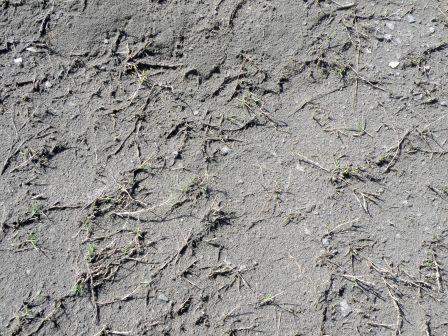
373,324
342,224
397,151
134,129
365,80
141,211
427,329
315,164
105,331
358,54
93,296
12,154
343,6
320,95
438,274
24,163
46,319
366,197
45,20
399,323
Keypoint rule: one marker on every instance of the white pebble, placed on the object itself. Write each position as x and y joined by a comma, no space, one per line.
390,25
162,297
345,308
32,49
394,64
225,150
18,60
411,19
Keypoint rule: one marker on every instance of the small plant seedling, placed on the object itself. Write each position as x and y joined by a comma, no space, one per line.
267,299
88,226
32,239
360,129
138,236
196,188
35,212
25,312
250,100
138,233
343,173
91,249
79,287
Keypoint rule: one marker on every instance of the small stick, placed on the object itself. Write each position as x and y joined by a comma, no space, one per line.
11,155
93,296
45,20
438,275
397,151
373,324
343,6
399,323
46,319
342,224
320,95
358,55
315,164
356,279
427,328
365,80
132,214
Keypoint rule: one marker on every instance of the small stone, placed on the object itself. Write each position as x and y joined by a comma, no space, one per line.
411,19
345,308
394,64
299,167
48,84
432,30
390,25
32,49
387,37
195,112
310,208
225,150
105,41
162,297
325,242
18,60
443,103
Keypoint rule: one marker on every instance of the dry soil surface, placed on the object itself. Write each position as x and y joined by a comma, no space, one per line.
226,167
